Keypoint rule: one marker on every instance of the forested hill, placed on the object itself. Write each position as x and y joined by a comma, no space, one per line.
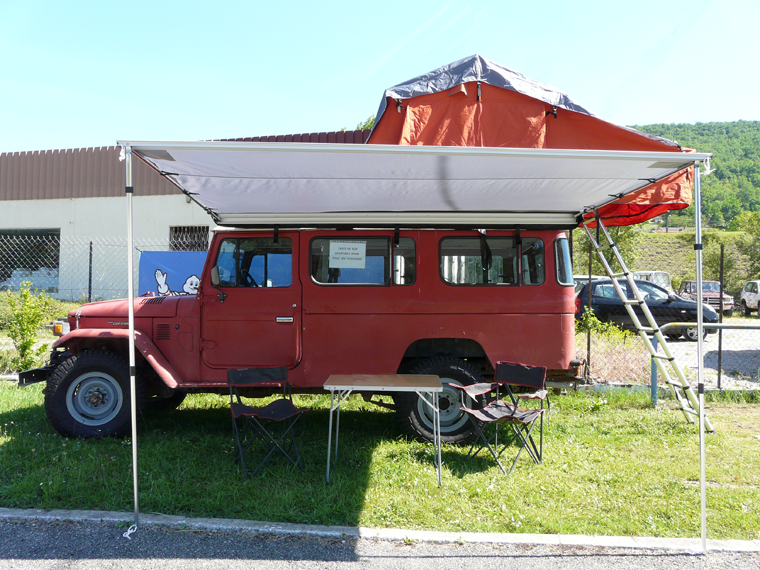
735,185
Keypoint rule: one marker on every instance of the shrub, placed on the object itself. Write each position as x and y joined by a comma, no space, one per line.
28,310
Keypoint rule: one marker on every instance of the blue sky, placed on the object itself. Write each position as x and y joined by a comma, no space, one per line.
82,74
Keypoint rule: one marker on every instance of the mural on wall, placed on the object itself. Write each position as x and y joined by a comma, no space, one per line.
169,273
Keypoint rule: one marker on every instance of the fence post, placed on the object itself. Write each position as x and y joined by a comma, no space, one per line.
89,278
720,331
653,381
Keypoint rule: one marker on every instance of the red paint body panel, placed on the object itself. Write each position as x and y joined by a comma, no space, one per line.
317,329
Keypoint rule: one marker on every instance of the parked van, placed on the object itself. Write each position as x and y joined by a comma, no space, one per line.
321,302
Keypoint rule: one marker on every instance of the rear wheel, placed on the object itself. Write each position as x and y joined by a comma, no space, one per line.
746,311
88,395
416,417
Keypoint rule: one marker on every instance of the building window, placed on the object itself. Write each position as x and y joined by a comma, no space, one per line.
188,238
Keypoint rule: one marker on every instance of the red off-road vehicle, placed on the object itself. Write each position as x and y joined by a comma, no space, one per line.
321,302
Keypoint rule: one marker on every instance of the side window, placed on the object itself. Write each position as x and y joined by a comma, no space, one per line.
532,261
364,261
564,262
479,261
255,262
404,262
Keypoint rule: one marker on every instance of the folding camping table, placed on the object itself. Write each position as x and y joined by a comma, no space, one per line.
424,385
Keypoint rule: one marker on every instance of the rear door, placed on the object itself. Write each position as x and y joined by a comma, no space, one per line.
254,318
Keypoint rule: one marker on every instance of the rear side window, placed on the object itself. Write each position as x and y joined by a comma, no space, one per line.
363,261
255,262
564,262
491,261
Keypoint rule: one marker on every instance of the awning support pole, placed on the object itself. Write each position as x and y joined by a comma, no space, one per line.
700,363
131,343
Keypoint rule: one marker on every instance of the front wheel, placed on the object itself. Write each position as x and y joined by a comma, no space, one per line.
746,311
416,417
88,396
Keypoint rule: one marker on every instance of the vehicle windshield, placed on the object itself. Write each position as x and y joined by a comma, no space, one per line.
710,287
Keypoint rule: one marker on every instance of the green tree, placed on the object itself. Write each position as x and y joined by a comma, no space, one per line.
368,124
626,238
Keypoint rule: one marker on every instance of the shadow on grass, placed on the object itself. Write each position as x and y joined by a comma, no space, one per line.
186,467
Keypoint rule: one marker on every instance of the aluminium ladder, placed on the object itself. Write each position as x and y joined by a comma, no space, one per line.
682,391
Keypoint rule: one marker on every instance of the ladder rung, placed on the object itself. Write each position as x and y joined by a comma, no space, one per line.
663,357
632,302
648,330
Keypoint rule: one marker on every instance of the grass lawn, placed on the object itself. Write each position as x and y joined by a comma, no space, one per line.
612,466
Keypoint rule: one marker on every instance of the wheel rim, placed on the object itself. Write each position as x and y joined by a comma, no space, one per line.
94,399
449,402
692,333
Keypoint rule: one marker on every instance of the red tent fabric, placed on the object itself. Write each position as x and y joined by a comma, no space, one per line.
475,102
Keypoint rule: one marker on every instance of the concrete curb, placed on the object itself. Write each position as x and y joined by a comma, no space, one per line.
693,545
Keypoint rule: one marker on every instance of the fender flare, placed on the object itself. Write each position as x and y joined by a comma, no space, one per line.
143,343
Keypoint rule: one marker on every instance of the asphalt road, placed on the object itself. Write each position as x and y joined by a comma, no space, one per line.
77,545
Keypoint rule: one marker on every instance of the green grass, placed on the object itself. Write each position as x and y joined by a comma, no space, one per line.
612,466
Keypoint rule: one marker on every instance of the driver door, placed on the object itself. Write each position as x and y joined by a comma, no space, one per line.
254,318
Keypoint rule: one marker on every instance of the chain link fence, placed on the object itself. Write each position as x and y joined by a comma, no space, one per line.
731,357
77,269
84,270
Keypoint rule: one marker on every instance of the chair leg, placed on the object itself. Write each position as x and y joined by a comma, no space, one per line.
276,444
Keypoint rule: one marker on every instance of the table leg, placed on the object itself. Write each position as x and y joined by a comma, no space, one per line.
433,403
329,435
342,396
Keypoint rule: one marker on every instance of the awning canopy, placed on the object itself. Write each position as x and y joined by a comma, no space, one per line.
308,185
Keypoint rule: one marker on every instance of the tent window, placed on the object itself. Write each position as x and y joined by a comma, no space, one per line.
255,262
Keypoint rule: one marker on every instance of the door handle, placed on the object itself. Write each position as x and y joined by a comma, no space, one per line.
283,319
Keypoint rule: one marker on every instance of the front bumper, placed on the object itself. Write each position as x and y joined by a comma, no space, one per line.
35,375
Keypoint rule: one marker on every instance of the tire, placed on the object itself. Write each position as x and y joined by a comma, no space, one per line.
415,416
746,311
692,335
728,314
88,396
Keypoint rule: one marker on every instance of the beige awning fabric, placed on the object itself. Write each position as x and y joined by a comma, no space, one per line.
294,184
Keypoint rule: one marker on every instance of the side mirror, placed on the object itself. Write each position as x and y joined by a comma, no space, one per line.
672,297
215,283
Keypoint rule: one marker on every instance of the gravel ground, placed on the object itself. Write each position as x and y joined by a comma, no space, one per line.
37,545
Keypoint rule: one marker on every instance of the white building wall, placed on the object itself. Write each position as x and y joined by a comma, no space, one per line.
102,221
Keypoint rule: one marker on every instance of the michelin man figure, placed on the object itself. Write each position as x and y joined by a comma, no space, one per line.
189,288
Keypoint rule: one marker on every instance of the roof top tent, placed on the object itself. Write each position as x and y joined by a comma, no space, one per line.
517,154
475,102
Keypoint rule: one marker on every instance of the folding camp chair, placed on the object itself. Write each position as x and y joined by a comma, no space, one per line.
506,413
273,426
510,374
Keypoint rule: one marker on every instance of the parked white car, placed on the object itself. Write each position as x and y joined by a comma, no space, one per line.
749,298
661,278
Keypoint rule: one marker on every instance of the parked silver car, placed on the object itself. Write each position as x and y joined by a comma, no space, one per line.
749,297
